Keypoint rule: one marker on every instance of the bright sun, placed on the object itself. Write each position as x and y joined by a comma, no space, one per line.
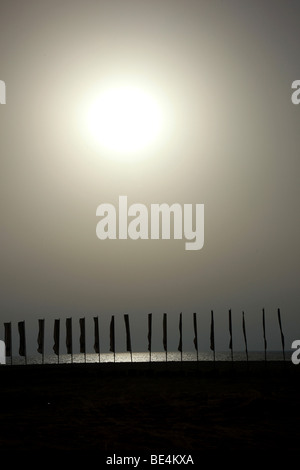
125,120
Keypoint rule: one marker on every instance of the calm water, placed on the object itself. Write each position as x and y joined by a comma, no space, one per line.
155,357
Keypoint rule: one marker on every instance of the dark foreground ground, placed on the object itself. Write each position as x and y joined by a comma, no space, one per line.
134,408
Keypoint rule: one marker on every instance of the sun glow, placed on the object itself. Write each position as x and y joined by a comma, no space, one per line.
125,120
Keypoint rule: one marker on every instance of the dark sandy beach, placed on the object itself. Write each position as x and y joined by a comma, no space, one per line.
136,408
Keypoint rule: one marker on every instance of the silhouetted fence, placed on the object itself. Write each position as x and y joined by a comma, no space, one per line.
112,339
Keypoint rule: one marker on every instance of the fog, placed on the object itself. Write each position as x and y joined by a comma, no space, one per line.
223,71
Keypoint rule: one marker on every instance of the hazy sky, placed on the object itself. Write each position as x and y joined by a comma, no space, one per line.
223,71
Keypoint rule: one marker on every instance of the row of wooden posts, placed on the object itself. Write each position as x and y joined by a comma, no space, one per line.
82,339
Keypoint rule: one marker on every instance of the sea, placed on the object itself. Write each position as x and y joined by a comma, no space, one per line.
146,357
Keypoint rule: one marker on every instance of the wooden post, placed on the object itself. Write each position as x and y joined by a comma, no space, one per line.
165,336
